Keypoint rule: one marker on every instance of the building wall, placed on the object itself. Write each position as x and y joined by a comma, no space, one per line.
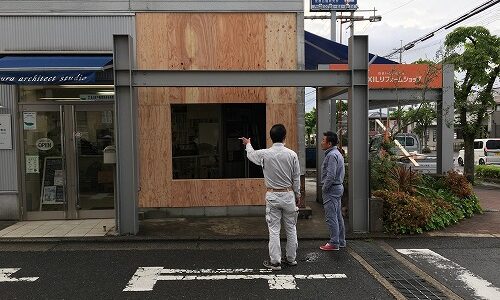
210,41
75,33
55,6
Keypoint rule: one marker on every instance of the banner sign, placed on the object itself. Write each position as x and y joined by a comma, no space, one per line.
338,5
399,76
47,78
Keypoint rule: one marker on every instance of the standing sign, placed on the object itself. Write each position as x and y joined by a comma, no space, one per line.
5,132
337,5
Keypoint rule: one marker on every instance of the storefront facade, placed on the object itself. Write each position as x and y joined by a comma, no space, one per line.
189,159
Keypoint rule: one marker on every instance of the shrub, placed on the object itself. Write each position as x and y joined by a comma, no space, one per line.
380,169
426,150
458,184
404,213
488,171
403,179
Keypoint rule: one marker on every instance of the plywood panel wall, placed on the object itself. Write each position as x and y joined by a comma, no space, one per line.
209,41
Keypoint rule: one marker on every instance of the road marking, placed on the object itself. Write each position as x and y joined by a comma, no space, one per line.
5,274
480,287
145,278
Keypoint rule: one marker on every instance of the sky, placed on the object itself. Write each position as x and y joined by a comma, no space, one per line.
406,20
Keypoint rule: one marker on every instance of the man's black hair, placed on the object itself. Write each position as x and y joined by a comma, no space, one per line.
277,133
331,137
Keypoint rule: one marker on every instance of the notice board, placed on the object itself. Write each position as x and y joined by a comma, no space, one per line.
52,181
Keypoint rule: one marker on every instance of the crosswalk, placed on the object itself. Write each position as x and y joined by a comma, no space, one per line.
479,287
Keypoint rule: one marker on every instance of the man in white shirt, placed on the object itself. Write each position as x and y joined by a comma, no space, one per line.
282,177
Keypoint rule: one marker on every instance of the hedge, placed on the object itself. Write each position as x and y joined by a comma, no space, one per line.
488,171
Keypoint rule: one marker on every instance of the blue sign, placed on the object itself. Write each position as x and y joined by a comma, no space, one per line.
47,78
338,5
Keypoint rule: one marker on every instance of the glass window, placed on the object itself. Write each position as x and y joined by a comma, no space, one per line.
478,145
40,93
493,144
410,141
205,140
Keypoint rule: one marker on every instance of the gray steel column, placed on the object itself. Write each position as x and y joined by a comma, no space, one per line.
358,135
445,116
322,125
333,103
301,95
126,205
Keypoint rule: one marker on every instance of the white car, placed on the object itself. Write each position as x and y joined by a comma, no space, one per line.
486,152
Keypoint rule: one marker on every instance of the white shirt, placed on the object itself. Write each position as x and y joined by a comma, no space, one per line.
279,164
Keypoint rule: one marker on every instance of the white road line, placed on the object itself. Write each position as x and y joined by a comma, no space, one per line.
480,287
5,275
145,278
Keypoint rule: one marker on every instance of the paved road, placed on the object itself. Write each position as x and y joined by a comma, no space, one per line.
103,271
232,270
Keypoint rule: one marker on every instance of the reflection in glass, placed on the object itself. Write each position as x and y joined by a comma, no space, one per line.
205,142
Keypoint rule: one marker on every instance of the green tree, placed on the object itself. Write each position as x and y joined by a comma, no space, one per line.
422,117
310,124
476,56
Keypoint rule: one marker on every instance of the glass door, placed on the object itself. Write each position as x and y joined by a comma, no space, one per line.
93,133
44,171
64,174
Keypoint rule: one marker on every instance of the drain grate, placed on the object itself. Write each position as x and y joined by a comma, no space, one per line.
403,279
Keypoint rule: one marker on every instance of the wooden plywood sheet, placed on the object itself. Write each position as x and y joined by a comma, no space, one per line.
211,41
226,192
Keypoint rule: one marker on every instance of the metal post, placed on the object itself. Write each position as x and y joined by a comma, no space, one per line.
323,124
445,115
358,135
126,207
332,103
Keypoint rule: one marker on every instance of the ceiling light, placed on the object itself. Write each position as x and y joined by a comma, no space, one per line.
105,92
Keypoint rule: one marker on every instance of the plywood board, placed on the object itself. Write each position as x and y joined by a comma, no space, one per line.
208,41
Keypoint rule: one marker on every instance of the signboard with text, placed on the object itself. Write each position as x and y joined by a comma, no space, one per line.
401,76
337,5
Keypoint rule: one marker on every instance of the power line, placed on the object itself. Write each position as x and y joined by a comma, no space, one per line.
458,20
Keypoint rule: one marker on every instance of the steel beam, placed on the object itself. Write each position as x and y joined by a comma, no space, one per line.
126,204
358,135
410,95
445,118
218,78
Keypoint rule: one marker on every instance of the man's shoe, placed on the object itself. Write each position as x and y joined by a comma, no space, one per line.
274,267
329,247
342,246
289,263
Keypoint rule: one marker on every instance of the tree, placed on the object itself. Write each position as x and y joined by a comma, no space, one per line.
476,56
310,123
422,117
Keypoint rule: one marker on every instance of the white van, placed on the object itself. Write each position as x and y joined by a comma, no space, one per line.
486,151
409,141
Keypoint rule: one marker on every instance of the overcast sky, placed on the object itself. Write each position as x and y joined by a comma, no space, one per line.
407,20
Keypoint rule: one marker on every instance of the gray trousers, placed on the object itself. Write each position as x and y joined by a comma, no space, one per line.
281,205
333,213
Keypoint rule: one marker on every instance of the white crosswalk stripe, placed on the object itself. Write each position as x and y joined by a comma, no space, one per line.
479,286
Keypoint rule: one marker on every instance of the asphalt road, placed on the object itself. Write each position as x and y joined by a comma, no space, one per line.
103,271
468,266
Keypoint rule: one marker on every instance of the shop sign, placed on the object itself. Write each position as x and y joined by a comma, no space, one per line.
5,132
337,5
92,97
44,144
401,76
46,78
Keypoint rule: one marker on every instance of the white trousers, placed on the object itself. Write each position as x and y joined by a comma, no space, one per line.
281,205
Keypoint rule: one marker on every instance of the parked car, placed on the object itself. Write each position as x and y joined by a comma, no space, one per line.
486,151
409,141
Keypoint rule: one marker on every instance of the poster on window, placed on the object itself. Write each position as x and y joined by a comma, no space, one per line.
5,132
32,164
29,120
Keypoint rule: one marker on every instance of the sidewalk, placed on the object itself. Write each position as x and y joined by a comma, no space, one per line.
255,228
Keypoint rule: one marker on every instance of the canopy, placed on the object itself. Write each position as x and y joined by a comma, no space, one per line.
44,69
321,51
